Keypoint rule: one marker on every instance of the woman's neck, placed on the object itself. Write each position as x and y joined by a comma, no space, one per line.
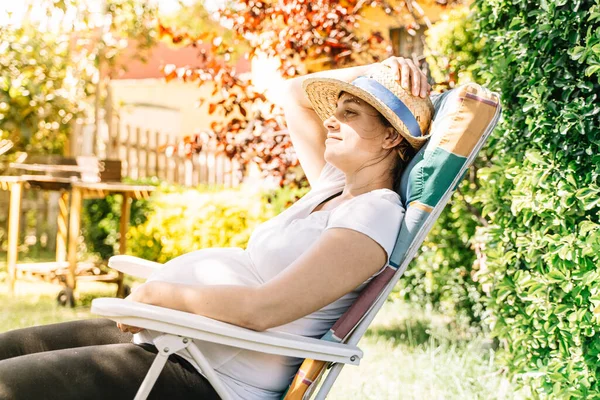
367,180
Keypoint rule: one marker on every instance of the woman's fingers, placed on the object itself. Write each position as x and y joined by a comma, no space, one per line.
127,328
425,88
404,74
411,78
415,78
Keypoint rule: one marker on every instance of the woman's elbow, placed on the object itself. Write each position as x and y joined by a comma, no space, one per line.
292,94
254,313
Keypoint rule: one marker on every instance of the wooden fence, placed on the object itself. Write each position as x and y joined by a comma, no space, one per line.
148,152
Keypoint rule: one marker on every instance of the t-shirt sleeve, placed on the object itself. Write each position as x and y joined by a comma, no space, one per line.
330,175
377,215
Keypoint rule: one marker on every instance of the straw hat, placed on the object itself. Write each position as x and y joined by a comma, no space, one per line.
409,115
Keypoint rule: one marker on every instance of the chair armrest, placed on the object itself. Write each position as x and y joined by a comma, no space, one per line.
206,329
134,266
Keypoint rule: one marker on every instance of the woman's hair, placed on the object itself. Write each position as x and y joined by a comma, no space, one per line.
403,149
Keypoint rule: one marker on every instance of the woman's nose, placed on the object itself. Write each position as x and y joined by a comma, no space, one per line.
331,123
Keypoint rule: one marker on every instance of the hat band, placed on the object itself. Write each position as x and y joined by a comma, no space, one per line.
391,101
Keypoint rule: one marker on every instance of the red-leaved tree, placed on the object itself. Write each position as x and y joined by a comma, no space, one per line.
304,35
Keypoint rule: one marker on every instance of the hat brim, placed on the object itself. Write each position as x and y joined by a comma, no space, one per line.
323,93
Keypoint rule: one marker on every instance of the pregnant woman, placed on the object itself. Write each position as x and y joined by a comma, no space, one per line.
354,130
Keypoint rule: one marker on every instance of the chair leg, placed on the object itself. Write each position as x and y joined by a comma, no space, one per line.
208,372
166,345
329,381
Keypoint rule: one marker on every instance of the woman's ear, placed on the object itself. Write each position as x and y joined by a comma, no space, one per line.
392,138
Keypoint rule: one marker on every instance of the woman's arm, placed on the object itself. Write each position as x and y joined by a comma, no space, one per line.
336,264
306,128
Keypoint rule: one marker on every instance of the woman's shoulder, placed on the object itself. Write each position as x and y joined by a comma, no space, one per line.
380,198
379,204
386,194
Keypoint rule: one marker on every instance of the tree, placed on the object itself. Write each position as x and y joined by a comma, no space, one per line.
53,64
41,92
304,36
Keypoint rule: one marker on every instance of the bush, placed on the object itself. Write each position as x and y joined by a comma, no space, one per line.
454,48
542,196
40,96
184,220
100,223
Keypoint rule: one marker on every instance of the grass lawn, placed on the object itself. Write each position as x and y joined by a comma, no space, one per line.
408,354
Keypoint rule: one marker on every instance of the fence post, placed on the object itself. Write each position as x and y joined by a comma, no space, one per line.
128,149
157,170
195,169
138,153
109,118
147,150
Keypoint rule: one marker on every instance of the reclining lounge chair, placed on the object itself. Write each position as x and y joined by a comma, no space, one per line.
464,118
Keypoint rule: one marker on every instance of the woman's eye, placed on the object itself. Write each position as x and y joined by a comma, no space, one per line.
348,113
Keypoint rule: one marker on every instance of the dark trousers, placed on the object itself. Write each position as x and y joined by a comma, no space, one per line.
89,359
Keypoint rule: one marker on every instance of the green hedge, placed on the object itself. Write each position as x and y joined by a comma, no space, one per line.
542,195
443,276
189,220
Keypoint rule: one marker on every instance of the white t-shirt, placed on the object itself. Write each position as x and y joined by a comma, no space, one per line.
273,246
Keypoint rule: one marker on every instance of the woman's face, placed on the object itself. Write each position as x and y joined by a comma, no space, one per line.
356,135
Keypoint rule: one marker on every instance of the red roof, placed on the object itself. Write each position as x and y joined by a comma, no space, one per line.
161,55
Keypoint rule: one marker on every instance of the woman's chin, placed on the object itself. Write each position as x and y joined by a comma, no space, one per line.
333,157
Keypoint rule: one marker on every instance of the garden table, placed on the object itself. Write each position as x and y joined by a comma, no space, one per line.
70,184
85,190
15,185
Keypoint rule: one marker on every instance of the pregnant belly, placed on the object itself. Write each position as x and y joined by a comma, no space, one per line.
215,266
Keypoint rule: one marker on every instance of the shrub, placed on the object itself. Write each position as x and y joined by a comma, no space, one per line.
542,196
40,95
453,49
101,217
184,220
100,223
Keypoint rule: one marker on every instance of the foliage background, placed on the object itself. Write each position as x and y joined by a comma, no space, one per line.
176,219
541,197
41,91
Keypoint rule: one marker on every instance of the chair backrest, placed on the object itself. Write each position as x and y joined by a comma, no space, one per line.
464,118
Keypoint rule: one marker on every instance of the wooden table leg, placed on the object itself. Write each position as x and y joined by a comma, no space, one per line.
61,234
74,225
124,223
16,192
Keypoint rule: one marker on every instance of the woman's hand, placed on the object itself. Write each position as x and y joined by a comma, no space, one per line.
408,73
128,328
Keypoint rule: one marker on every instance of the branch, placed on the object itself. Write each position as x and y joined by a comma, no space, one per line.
473,210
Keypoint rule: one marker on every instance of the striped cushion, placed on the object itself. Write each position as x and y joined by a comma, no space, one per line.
461,117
